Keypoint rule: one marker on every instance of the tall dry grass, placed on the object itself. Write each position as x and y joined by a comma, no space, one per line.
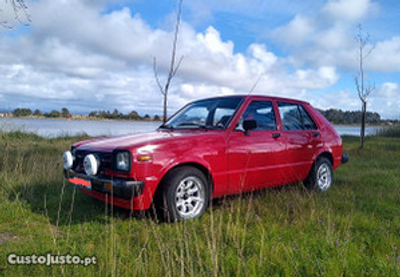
350,230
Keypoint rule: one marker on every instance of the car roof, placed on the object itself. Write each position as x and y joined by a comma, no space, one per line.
252,96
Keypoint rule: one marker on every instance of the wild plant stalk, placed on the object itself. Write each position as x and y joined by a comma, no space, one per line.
71,210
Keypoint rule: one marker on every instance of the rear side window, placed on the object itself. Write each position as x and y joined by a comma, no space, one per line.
295,117
308,123
263,113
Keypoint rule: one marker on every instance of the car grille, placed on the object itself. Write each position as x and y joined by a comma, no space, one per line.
106,161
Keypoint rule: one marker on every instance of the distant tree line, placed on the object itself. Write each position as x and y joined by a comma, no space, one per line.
349,117
101,114
335,116
133,115
24,112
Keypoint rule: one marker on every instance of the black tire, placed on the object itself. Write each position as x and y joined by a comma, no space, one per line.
320,177
184,194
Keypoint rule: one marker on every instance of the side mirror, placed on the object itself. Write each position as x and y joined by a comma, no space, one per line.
249,125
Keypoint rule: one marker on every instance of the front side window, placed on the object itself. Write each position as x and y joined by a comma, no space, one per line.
263,113
295,117
210,113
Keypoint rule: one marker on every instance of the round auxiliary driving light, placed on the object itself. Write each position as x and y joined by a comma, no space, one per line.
68,160
91,165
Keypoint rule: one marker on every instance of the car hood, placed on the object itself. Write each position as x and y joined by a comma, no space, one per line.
108,144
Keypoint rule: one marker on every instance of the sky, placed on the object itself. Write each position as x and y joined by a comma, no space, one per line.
98,54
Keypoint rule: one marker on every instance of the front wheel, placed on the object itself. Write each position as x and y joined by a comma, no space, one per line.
320,177
185,194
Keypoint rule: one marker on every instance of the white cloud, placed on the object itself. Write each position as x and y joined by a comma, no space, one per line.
345,100
385,57
388,90
77,54
326,38
349,10
321,78
296,32
259,52
386,100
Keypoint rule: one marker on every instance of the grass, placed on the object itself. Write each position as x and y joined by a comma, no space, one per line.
389,131
351,230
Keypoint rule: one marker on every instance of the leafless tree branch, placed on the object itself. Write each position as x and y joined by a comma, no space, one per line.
174,65
177,66
156,76
19,8
363,91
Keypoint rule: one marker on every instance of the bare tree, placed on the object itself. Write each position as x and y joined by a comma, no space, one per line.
363,90
19,10
174,64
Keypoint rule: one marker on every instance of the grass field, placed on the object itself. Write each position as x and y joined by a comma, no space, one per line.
351,230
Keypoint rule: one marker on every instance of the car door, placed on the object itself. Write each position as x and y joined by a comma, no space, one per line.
302,140
255,157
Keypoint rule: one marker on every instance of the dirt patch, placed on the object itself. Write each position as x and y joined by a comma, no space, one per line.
5,237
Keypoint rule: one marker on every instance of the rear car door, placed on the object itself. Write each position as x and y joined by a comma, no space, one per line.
302,140
255,158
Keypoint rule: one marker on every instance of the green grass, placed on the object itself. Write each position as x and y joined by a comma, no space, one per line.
351,230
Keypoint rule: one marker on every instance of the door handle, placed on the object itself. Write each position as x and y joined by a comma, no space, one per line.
276,135
315,134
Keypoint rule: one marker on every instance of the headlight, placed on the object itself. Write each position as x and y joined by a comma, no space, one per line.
68,160
123,161
91,165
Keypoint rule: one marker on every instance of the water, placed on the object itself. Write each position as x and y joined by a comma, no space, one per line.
60,127
355,130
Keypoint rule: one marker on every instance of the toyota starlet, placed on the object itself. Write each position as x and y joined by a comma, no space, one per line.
208,149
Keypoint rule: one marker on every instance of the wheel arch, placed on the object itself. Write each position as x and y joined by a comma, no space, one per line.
327,155
202,168
324,153
310,180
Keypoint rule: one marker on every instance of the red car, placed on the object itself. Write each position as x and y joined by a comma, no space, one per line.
209,148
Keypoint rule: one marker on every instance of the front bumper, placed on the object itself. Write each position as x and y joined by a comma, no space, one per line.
118,187
345,158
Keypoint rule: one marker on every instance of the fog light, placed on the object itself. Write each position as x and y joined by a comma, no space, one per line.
68,160
91,165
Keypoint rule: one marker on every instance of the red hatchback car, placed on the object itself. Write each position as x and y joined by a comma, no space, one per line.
209,148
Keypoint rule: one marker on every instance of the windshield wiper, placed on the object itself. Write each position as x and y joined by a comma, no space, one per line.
193,124
166,126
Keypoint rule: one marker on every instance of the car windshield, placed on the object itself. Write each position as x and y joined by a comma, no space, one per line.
208,114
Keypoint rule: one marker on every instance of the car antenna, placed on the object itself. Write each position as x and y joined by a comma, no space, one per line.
255,83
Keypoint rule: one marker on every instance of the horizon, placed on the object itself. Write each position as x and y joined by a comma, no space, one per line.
92,55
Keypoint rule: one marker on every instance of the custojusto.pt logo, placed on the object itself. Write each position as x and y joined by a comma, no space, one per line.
50,259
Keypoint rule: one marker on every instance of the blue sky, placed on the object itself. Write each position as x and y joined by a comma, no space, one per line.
90,55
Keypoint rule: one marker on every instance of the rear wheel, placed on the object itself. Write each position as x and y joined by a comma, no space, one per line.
184,194
320,177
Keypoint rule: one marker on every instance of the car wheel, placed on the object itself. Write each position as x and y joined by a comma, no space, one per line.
185,194
320,177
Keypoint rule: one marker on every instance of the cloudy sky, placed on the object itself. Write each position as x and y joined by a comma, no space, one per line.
97,54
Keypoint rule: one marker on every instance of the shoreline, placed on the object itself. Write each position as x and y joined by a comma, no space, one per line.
77,118
80,118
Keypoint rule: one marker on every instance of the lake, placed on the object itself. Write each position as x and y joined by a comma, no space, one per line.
61,127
